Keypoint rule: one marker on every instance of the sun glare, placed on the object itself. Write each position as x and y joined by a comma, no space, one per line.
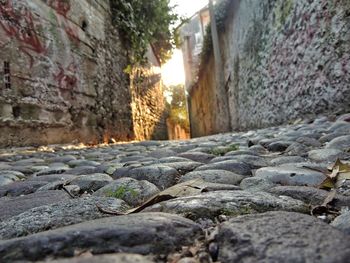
173,70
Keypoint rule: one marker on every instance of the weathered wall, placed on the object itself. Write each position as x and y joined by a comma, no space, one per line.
176,131
148,106
204,106
286,59
66,78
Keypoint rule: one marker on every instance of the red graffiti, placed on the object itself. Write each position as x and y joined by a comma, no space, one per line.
19,24
62,7
67,78
72,34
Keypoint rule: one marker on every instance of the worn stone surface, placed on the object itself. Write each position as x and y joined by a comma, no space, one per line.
209,205
184,167
91,182
341,143
16,205
160,175
327,155
229,184
130,190
310,195
110,258
256,184
281,237
342,222
197,156
106,235
20,188
230,165
214,176
7,178
291,176
62,213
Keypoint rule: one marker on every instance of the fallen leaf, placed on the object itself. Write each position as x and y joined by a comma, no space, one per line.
339,172
335,172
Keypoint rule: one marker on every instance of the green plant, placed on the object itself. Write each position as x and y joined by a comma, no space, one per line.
143,23
220,151
121,192
221,12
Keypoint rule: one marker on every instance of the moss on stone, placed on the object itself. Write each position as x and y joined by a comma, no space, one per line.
121,192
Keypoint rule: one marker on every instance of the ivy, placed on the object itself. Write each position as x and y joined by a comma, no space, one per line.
221,11
143,23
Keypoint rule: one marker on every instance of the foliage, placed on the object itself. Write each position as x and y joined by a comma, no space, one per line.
221,11
177,108
143,23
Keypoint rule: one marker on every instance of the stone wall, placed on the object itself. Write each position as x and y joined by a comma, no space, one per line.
203,104
148,105
65,79
285,59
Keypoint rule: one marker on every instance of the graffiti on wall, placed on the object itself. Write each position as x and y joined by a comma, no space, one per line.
19,24
62,8
67,77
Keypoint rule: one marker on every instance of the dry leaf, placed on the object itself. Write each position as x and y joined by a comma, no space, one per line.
339,172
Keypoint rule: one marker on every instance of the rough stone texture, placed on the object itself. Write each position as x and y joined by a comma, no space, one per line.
341,143
66,63
342,222
256,184
110,258
326,155
130,190
20,188
211,204
7,178
184,167
214,176
291,176
231,166
91,182
135,233
16,205
160,175
149,116
281,237
310,195
57,215
283,59
197,156
66,76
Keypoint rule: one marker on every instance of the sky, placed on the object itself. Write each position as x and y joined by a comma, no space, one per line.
172,71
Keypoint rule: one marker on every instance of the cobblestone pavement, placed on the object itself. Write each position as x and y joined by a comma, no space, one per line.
239,197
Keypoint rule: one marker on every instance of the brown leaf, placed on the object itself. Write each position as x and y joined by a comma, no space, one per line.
339,172
335,172
327,184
